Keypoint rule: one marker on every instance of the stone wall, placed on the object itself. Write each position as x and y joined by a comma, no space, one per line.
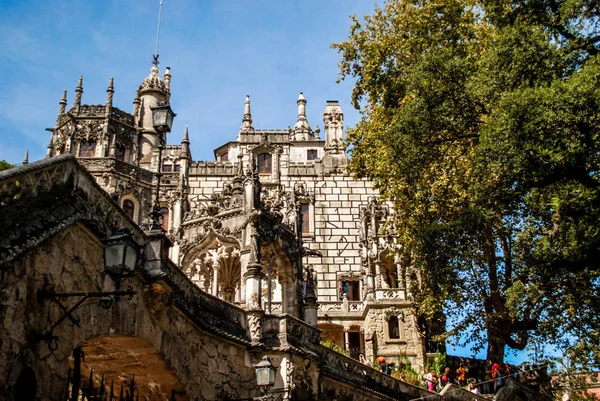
208,367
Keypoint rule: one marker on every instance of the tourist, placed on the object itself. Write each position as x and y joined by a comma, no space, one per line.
434,382
382,364
446,377
363,359
461,375
473,388
428,379
497,377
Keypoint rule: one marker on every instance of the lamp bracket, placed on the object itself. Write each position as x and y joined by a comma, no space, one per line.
107,298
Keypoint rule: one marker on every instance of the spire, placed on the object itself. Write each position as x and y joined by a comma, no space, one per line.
185,144
109,94
26,159
247,119
63,103
302,126
78,93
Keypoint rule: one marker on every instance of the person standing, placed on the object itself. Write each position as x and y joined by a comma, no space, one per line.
461,375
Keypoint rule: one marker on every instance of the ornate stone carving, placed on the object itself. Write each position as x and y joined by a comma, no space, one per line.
157,297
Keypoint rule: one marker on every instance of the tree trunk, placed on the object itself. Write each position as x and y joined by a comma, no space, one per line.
495,351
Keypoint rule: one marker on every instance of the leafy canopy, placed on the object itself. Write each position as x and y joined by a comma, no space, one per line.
480,121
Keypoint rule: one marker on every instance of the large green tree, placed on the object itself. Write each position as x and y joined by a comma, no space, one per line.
480,121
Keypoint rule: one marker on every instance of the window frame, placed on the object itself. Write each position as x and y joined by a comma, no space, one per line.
264,162
312,154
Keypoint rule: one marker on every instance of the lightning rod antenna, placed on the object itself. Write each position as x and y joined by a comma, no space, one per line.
155,62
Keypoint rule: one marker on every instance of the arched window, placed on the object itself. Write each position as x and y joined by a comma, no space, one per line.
26,386
129,208
165,218
393,328
87,148
264,163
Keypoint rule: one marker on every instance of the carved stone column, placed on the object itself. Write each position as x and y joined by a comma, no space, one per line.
215,280
347,338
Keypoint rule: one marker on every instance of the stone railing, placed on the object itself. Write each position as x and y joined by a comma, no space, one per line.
345,307
207,311
342,368
285,330
274,135
390,293
121,116
61,173
226,169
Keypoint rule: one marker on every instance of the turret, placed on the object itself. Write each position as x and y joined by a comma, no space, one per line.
335,152
152,92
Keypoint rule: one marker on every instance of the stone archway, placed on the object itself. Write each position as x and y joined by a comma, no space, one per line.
115,361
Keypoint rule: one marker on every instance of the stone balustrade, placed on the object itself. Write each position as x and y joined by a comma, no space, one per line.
390,294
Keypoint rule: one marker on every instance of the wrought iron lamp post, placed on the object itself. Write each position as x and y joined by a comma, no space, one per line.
162,121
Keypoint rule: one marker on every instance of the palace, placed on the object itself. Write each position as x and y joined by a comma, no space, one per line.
361,285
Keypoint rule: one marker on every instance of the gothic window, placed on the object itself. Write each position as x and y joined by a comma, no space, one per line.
164,211
167,168
394,328
129,208
351,289
87,148
311,154
305,210
264,163
177,168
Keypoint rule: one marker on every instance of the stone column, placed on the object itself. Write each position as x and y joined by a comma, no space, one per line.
347,338
215,280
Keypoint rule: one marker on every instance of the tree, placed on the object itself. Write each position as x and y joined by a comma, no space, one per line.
480,122
4,165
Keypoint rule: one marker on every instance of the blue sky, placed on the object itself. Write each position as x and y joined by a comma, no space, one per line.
218,50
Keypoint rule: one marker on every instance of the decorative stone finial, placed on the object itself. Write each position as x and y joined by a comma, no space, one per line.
302,126
63,103
247,119
109,94
26,159
185,145
78,93
154,83
168,78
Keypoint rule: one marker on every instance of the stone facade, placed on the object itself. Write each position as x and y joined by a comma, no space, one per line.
178,340
362,284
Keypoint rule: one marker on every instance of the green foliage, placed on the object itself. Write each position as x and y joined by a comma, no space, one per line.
407,373
333,346
4,165
439,364
480,120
